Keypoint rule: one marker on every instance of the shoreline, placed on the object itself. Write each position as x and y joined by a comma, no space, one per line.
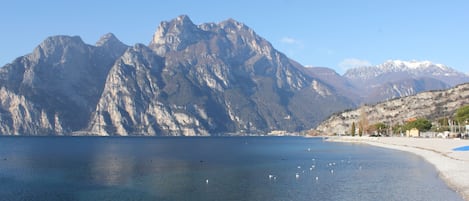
452,166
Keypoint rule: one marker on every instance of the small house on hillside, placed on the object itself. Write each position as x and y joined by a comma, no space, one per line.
414,132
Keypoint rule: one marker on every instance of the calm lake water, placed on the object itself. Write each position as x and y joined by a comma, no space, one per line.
215,168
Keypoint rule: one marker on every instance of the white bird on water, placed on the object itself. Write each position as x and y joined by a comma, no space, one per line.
206,181
297,175
271,176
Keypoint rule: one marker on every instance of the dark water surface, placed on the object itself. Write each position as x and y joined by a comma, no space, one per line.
215,168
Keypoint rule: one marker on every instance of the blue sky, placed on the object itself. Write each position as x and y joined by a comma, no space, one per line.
333,33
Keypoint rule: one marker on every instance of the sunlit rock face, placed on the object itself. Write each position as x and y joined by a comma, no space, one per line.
208,79
53,90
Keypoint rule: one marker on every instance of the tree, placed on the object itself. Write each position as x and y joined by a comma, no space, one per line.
442,125
462,115
352,130
380,127
398,128
421,124
363,124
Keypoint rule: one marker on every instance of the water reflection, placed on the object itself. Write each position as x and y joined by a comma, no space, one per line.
108,167
148,167
76,169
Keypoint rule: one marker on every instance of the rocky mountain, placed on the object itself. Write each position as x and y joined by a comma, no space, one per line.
337,82
55,88
403,88
396,78
430,105
394,70
206,79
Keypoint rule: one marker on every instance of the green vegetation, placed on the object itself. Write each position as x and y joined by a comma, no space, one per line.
442,125
462,115
421,124
380,128
398,129
352,130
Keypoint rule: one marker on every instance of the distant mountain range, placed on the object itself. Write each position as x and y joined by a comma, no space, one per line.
392,79
208,79
402,78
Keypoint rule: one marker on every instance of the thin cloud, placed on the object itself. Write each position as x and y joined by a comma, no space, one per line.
292,47
353,63
290,41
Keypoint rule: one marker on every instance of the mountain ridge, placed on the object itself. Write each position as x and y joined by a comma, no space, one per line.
414,69
222,79
389,79
208,79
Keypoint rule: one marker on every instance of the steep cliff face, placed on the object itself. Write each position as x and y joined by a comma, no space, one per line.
338,83
431,105
20,117
63,79
209,79
134,101
206,79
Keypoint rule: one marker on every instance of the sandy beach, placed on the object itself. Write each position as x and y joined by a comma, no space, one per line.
452,165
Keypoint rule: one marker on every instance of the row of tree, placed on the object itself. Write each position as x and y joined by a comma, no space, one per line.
461,117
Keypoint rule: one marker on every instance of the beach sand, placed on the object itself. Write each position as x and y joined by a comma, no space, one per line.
453,166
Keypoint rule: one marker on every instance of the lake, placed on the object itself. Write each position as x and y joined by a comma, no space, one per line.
211,168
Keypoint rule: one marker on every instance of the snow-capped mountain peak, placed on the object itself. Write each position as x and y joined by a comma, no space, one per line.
393,70
412,65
